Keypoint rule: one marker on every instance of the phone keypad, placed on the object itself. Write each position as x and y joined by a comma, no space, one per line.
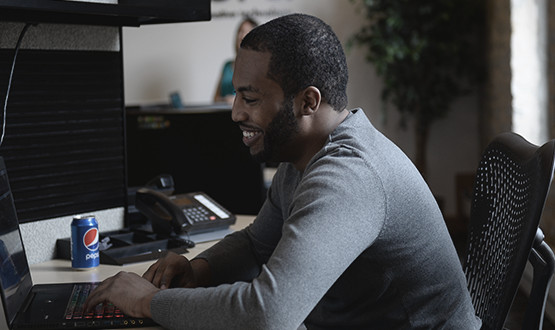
198,214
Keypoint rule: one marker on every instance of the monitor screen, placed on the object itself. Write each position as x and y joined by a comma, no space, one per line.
15,278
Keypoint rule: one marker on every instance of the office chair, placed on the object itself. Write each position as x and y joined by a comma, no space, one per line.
510,189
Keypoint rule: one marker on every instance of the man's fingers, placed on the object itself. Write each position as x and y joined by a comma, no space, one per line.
162,272
159,276
155,274
151,271
128,291
96,297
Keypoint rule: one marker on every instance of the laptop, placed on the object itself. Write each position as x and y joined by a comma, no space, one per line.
43,306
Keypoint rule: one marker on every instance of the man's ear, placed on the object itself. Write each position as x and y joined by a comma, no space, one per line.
310,100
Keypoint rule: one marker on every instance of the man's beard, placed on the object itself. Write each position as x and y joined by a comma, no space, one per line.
279,132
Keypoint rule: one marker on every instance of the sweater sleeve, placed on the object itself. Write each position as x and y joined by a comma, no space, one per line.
240,255
326,228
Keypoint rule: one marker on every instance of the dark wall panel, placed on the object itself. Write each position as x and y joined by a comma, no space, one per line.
64,144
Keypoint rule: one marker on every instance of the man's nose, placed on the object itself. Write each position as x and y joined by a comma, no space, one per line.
237,112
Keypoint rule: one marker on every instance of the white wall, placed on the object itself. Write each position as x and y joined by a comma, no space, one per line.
187,58
529,83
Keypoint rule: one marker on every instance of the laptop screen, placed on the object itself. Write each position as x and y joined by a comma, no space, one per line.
15,278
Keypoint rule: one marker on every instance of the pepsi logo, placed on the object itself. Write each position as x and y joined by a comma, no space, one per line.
90,239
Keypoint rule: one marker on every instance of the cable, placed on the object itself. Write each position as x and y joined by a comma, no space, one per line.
25,28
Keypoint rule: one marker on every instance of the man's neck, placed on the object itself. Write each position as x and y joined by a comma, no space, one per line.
322,126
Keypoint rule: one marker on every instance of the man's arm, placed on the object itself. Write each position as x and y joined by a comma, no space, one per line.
133,294
316,247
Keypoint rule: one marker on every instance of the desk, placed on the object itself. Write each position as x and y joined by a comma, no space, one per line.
60,271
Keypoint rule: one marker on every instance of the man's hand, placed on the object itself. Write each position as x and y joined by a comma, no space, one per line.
172,270
131,293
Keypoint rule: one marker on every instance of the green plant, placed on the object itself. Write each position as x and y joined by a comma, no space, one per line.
427,52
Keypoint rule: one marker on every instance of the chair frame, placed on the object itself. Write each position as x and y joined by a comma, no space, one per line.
491,289
543,263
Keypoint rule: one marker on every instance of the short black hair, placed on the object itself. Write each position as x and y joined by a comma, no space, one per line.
304,52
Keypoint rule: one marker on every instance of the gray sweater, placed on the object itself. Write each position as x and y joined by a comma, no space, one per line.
354,241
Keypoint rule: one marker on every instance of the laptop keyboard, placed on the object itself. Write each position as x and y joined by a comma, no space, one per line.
104,315
75,306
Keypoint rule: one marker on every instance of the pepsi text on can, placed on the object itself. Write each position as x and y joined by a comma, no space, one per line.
84,242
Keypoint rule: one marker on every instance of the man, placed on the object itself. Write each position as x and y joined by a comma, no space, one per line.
349,236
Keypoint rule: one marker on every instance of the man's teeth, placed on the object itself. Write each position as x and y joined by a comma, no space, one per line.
248,134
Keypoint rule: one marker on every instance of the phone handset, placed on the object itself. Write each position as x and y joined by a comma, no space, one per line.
165,215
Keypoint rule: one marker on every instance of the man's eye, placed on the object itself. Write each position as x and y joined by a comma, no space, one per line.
249,101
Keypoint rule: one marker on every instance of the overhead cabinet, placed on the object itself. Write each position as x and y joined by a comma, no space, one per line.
123,13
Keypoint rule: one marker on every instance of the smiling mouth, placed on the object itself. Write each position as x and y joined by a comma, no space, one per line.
250,137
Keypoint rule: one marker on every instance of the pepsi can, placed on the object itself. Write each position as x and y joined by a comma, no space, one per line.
84,242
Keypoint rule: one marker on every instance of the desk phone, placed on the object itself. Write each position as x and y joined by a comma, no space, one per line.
185,213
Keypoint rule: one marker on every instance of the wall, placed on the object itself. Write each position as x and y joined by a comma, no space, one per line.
187,58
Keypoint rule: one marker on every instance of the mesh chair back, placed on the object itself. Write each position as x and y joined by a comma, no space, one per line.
512,182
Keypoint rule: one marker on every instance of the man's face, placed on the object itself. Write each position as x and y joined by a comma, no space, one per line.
267,120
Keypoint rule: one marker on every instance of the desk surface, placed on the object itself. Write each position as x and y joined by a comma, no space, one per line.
59,271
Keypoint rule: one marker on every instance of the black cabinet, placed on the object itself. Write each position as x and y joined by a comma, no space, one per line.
202,148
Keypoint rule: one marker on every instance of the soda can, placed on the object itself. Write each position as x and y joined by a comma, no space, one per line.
84,242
